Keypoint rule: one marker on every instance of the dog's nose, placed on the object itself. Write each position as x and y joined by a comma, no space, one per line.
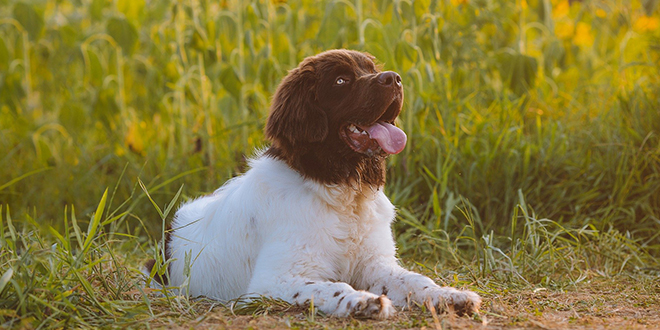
388,78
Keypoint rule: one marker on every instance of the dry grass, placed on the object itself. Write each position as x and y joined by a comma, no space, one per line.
617,303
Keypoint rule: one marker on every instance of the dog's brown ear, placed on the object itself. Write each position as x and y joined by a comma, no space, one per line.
295,115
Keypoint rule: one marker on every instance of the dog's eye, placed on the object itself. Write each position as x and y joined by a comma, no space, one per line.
341,81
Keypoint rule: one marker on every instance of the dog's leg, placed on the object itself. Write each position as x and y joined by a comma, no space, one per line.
380,273
388,278
334,298
286,273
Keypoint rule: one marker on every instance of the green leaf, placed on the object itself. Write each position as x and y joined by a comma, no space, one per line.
31,21
210,30
13,181
73,117
114,218
60,238
95,70
94,225
12,231
91,293
76,228
105,106
421,7
96,9
123,32
69,35
4,56
146,192
231,81
405,54
518,71
6,277
552,54
267,73
173,202
132,9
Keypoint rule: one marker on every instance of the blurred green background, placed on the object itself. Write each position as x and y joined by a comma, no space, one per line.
546,106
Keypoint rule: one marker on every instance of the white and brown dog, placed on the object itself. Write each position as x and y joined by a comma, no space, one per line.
309,219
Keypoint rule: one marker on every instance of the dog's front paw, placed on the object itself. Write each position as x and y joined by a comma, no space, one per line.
465,302
362,304
459,301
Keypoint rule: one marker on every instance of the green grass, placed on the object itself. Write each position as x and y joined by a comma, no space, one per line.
533,159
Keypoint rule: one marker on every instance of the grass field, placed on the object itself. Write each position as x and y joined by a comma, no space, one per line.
532,172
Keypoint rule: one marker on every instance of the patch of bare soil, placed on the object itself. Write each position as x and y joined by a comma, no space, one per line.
623,304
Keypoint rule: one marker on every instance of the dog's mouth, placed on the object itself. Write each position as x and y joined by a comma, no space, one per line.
378,137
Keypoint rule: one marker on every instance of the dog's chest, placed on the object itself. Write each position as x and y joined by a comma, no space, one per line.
355,220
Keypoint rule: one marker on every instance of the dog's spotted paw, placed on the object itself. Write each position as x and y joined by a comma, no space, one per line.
362,304
375,307
465,302
457,301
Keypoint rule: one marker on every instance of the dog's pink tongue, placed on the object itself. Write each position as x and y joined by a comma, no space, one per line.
390,138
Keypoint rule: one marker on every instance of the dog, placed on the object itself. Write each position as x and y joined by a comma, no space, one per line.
308,221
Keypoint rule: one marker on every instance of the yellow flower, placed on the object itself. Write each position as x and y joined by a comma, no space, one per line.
459,2
645,23
583,36
133,139
561,9
601,13
564,30
119,150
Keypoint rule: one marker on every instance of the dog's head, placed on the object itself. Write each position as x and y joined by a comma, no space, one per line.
332,118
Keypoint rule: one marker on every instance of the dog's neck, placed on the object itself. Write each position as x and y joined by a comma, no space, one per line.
357,171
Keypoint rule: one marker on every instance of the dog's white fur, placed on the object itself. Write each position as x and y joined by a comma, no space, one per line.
272,232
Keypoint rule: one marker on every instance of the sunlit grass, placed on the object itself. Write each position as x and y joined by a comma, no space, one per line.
533,159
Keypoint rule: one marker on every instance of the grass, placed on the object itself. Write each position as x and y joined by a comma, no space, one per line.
532,173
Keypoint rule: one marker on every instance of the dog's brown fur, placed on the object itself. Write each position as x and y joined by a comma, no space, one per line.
309,112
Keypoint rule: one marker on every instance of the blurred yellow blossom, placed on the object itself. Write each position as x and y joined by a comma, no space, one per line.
564,30
601,13
133,139
119,150
458,2
561,9
583,36
645,23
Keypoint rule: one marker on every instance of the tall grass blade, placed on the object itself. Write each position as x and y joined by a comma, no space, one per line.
13,181
172,202
96,220
146,192
6,277
76,228
11,229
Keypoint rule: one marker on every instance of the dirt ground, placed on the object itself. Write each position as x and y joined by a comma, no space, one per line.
605,304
